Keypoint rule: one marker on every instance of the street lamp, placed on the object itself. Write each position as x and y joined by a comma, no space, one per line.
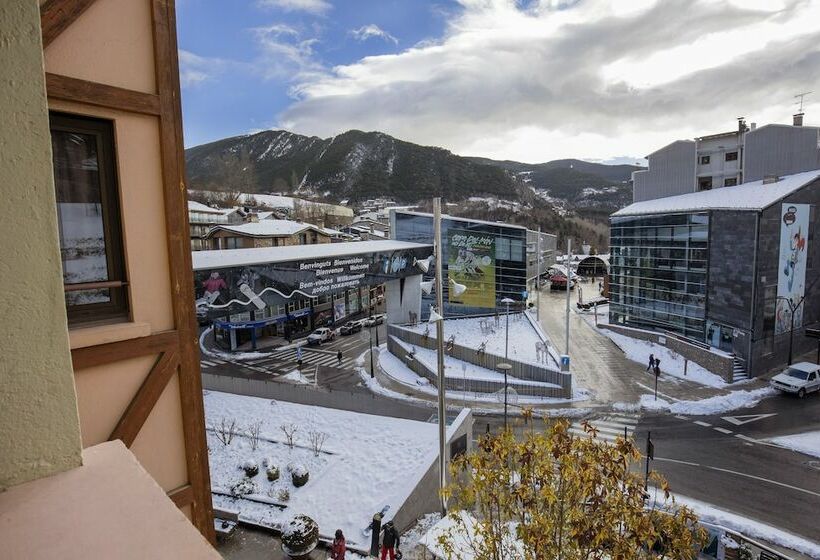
436,315
505,367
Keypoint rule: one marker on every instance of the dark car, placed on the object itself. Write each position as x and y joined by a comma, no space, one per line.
351,327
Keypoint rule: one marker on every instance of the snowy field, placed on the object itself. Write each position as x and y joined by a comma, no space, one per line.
671,362
807,443
468,333
367,462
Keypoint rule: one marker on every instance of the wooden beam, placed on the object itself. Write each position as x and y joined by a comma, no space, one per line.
101,95
142,404
182,496
82,358
57,15
179,257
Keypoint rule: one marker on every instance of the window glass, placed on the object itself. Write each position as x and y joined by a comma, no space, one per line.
88,218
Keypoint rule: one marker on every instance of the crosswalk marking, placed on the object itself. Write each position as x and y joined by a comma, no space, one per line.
610,426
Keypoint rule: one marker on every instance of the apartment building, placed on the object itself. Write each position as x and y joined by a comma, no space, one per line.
102,425
266,233
202,218
749,153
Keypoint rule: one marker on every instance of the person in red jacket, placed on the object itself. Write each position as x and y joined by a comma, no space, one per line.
338,548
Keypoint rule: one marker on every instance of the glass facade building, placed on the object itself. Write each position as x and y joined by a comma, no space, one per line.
489,258
658,272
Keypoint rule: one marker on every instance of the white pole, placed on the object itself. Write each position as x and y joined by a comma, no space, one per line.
569,283
442,410
538,278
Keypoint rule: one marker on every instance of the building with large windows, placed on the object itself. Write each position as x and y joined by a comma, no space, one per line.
488,258
726,269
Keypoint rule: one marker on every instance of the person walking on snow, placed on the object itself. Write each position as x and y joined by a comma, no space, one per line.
651,362
657,366
338,548
339,357
390,541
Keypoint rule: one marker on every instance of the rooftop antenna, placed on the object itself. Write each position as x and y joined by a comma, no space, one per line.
802,97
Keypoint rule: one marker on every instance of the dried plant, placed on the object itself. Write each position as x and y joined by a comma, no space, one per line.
290,433
252,433
226,430
317,441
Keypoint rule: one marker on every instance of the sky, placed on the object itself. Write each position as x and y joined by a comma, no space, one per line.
532,81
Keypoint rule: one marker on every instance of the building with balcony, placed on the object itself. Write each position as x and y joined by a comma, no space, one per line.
727,159
266,233
102,428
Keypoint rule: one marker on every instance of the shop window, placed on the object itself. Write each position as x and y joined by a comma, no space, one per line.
89,221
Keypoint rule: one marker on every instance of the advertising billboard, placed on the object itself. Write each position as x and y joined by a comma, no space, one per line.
471,262
791,274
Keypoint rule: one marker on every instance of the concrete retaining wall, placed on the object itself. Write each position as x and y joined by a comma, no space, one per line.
720,365
520,370
425,496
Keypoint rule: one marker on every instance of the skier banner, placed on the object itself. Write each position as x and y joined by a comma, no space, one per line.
471,262
791,275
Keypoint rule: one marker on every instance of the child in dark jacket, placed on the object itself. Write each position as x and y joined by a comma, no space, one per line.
390,541
338,548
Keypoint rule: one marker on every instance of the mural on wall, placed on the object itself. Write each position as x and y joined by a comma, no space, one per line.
471,262
791,275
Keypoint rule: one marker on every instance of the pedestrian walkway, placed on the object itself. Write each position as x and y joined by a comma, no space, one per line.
609,426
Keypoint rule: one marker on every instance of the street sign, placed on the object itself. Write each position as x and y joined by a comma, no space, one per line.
746,418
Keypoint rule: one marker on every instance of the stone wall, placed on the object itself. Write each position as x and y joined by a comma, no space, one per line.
716,363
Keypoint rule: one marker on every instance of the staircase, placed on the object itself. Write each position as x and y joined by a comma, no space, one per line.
739,372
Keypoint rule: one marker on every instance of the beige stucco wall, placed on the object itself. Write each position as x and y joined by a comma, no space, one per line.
112,43
107,44
39,431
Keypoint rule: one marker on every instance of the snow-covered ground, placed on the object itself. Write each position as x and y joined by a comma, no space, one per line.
459,369
397,370
367,462
807,443
672,363
708,513
704,407
467,332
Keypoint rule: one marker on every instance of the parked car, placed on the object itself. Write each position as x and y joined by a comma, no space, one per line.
351,327
321,335
373,320
800,378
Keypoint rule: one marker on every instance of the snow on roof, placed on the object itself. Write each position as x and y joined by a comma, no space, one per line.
267,228
603,258
264,215
194,206
226,258
271,200
748,196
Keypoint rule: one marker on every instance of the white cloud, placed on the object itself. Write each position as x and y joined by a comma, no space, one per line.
318,7
195,69
592,79
365,32
286,55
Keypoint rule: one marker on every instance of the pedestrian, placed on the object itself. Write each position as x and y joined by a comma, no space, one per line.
657,366
339,357
390,541
651,362
338,548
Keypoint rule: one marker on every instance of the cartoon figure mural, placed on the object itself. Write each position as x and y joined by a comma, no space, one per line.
791,281
213,286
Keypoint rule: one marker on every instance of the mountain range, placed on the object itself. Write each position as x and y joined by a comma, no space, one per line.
571,197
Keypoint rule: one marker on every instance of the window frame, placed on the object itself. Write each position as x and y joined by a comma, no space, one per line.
118,308
705,160
731,156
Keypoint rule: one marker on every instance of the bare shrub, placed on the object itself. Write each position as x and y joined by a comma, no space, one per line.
225,430
252,433
317,441
290,433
